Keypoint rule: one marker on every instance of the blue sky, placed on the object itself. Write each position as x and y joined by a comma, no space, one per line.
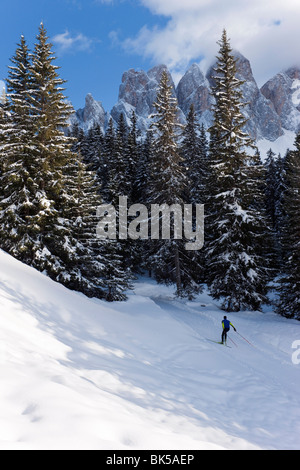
97,40
85,36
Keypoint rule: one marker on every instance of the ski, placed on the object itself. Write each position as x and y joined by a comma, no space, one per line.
218,342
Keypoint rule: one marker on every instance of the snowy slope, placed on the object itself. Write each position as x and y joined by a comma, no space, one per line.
279,146
77,373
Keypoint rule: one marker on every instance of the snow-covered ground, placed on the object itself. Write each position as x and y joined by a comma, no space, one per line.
279,146
78,373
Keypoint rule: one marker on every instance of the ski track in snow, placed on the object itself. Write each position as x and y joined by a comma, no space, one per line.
79,373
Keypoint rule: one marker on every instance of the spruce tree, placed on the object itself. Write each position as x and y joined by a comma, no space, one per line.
48,198
280,214
101,262
109,146
34,156
273,202
134,160
119,183
143,168
50,111
80,200
92,148
167,175
194,149
236,224
18,204
289,290
169,260
270,164
51,150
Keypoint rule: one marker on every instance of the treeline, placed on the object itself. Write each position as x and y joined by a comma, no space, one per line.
48,197
53,180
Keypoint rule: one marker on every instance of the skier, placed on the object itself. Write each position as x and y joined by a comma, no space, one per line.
226,327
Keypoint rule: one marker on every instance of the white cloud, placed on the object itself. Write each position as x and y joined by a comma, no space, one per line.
266,32
67,43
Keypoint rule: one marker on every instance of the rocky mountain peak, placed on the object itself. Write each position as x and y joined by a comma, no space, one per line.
244,68
139,88
283,90
93,112
263,121
270,111
138,92
194,89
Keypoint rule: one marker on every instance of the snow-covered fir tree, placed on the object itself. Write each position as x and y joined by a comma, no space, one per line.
194,150
289,290
143,168
169,260
80,200
19,202
91,148
280,214
99,265
273,190
119,182
34,155
106,160
51,150
271,182
134,160
48,198
236,229
167,174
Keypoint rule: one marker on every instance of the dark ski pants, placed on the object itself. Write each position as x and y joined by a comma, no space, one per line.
224,334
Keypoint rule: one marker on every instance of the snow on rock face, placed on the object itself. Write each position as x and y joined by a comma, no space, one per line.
194,89
296,93
138,92
284,92
134,91
263,121
271,110
92,113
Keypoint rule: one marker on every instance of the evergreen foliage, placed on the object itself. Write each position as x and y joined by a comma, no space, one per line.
19,202
48,198
169,260
237,227
52,180
289,290
194,149
271,182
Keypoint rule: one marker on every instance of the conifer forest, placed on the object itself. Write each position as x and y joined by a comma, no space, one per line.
53,177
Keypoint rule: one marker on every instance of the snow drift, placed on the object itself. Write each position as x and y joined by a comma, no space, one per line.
79,373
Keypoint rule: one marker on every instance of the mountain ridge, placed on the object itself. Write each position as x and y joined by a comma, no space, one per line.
273,110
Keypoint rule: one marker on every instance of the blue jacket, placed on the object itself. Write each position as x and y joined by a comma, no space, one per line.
226,324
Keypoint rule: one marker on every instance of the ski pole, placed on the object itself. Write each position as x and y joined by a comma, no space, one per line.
245,339
233,342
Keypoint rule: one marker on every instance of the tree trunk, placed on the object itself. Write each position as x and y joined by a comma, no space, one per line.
178,272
